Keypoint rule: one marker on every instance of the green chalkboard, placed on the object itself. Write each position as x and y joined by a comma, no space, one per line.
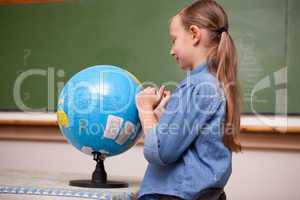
293,58
43,45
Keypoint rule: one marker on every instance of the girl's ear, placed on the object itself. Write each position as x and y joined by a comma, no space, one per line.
196,34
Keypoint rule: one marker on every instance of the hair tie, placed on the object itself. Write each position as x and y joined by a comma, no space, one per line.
221,30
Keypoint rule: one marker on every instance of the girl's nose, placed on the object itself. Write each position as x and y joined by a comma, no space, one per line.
172,52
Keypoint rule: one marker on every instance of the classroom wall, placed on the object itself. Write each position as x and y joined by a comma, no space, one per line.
257,174
59,40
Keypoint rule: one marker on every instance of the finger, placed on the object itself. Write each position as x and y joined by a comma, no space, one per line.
143,90
165,99
168,97
152,90
161,92
149,90
167,93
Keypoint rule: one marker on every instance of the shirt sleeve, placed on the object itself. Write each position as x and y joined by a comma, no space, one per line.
188,111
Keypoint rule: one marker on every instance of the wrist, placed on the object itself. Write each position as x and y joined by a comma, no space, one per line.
148,119
146,114
145,108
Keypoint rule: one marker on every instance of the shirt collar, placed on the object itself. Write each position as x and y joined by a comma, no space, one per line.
199,68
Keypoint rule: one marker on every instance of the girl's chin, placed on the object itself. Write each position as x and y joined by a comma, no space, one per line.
184,67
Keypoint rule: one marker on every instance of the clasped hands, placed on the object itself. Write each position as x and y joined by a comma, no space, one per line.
150,100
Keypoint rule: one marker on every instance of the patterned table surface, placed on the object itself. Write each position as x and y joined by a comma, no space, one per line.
18,184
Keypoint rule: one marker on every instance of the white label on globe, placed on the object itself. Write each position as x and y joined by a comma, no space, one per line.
87,150
125,133
113,126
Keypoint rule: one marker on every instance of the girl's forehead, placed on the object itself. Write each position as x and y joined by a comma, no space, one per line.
175,24
175,21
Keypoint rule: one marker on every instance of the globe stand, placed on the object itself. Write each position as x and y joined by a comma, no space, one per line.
99,177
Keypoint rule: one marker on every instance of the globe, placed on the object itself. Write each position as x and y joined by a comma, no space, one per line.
96,110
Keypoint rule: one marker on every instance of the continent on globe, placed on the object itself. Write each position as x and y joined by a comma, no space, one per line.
62,118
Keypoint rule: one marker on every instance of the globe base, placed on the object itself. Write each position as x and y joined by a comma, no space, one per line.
99,177
90,184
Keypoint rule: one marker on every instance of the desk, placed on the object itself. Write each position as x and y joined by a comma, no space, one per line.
18,184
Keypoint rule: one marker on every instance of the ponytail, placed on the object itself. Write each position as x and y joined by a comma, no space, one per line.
226,65
222,60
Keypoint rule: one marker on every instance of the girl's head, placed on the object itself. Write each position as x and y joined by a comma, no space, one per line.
199,33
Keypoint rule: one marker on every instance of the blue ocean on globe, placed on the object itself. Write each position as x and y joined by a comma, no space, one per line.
96,110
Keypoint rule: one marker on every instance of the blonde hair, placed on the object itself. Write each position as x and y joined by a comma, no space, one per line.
222,60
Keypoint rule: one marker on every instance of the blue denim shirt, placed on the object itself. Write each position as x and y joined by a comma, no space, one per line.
185,150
